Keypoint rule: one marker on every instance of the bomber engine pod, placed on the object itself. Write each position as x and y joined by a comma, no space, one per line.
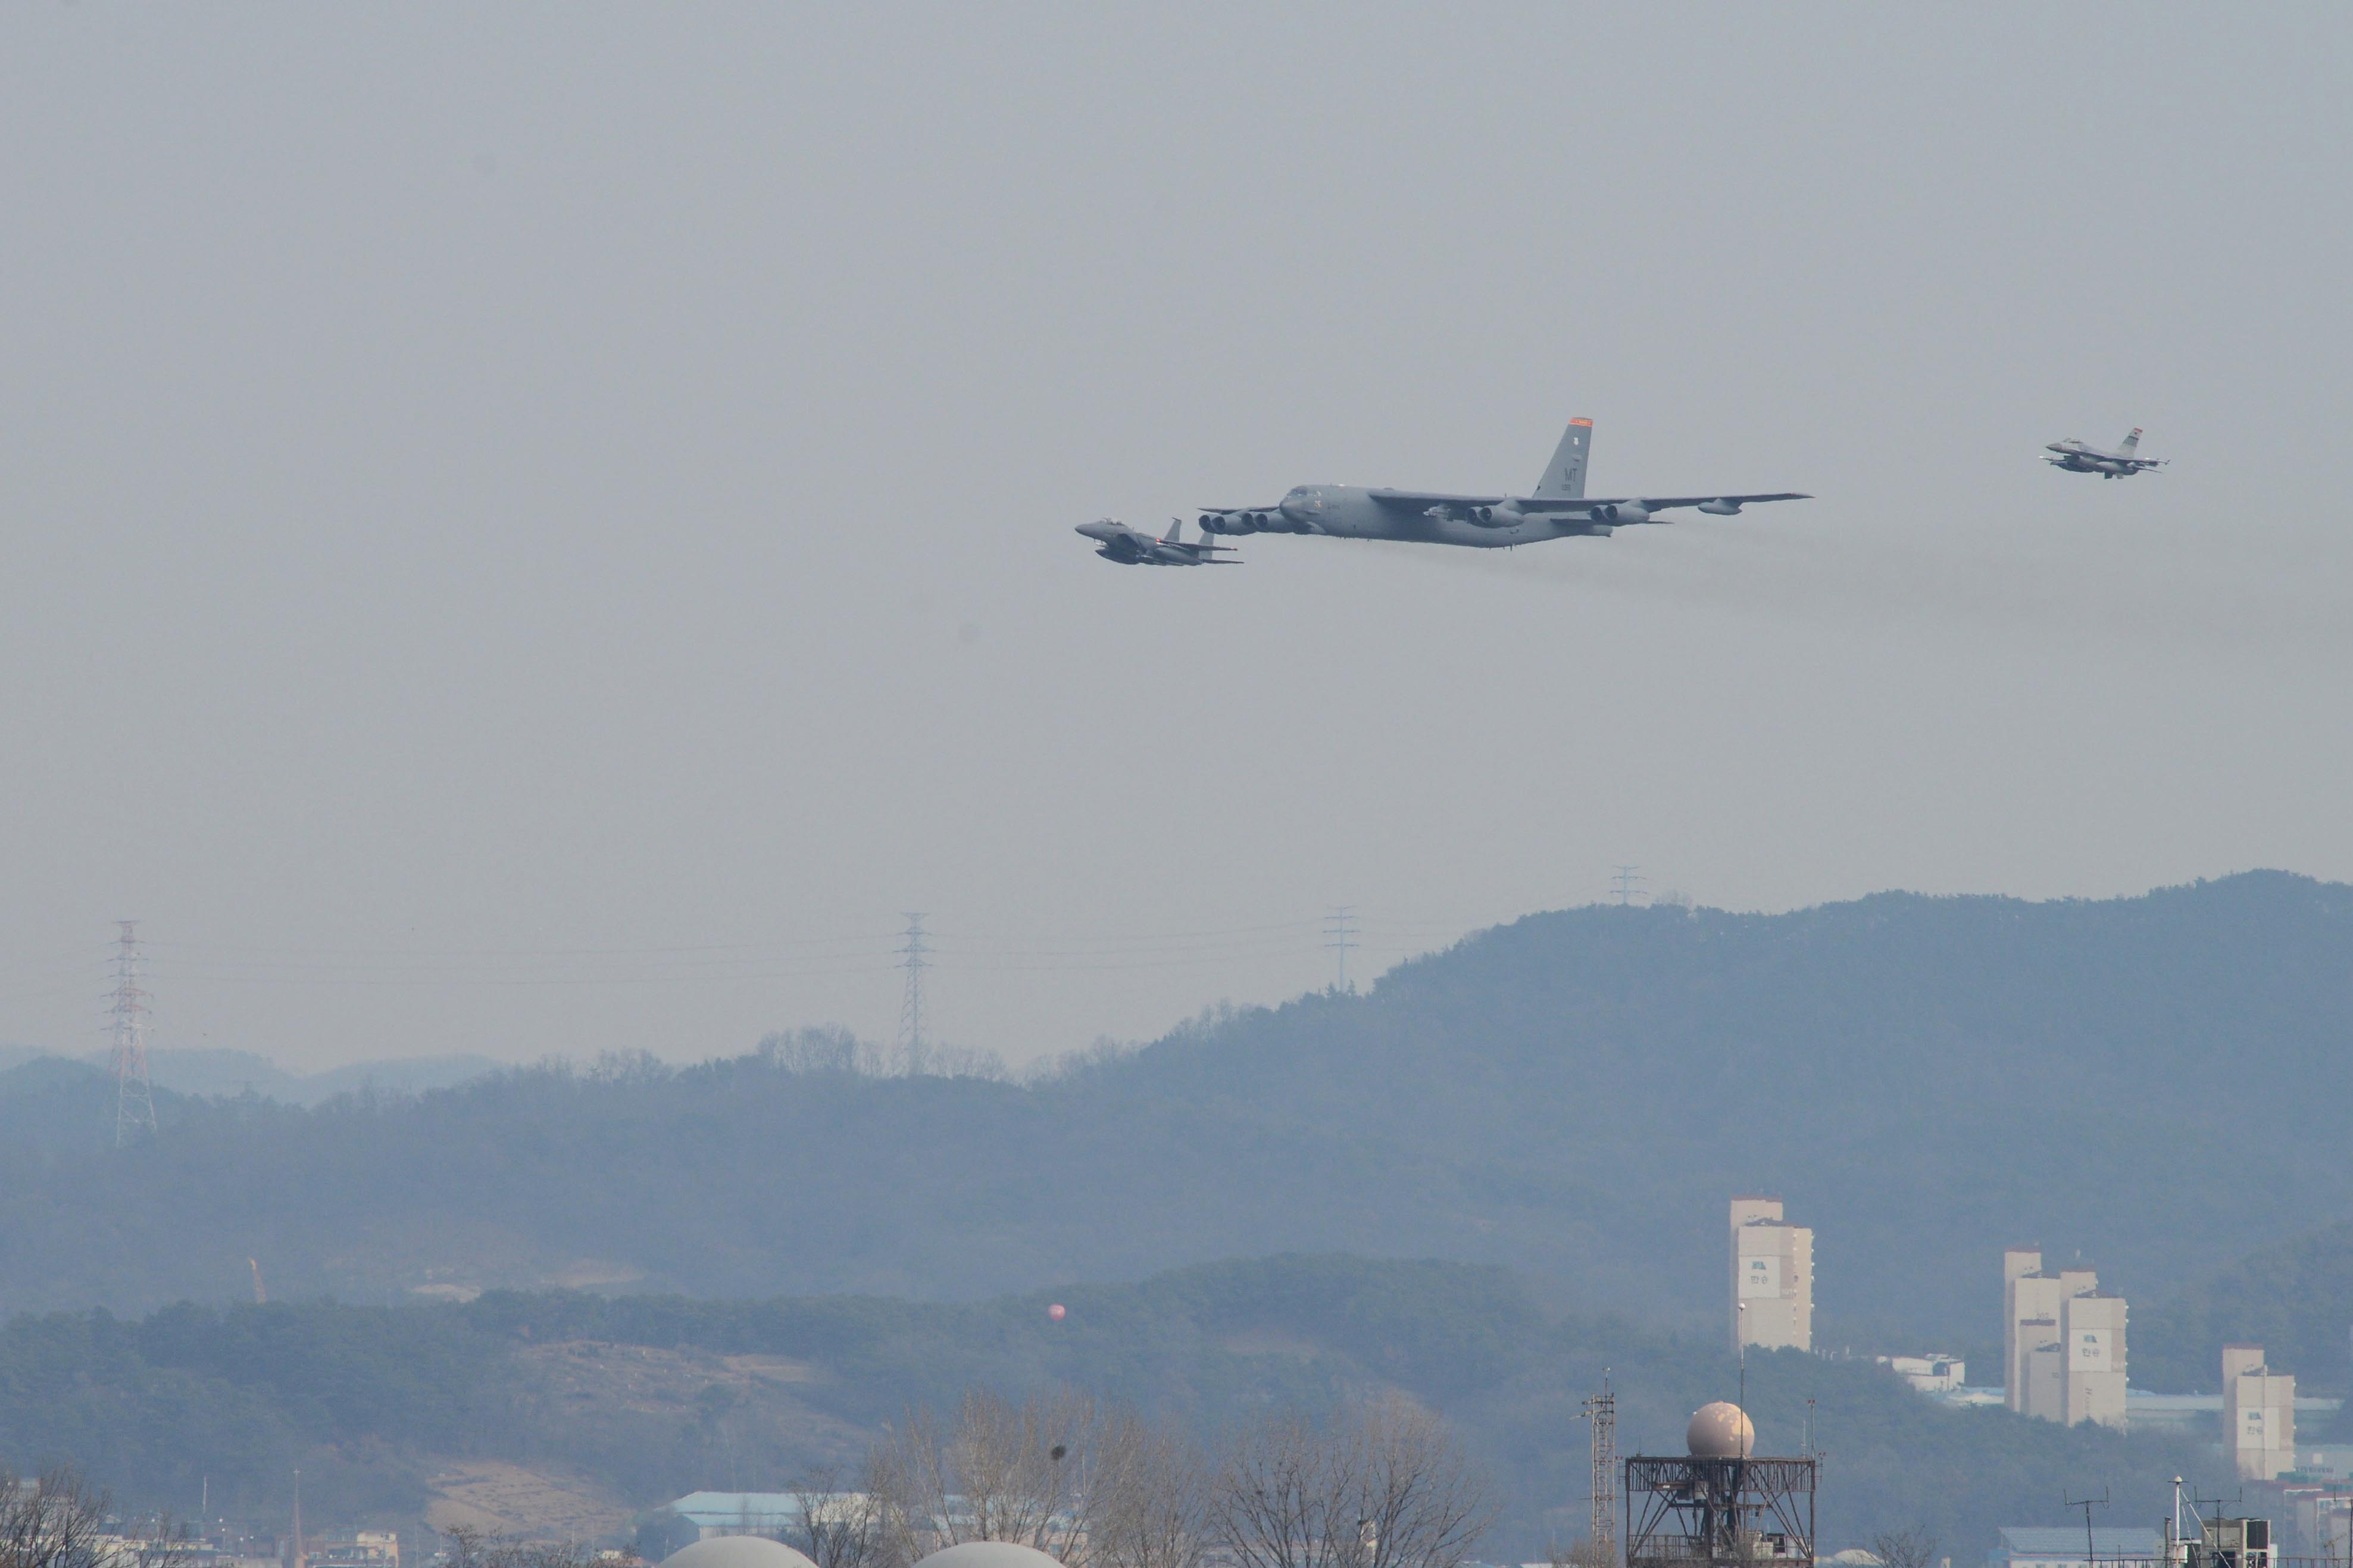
1504,514
1621,511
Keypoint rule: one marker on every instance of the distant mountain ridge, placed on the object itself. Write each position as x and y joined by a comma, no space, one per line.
210,1070
1924,1079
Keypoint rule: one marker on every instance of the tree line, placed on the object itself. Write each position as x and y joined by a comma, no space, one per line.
1382,1484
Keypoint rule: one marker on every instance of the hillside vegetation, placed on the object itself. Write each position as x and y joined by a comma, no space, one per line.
642,1398
1572,1095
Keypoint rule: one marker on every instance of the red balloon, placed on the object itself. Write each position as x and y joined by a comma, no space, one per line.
1055,1312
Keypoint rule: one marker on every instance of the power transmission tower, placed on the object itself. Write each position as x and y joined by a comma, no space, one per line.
1339,936
1625,881
914,957
1602,1409
134,1097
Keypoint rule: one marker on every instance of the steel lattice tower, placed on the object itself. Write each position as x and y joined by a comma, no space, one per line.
134,1097
1339,936
1602,1409
914,957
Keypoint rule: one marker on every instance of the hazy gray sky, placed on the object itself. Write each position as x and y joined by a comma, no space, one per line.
545,529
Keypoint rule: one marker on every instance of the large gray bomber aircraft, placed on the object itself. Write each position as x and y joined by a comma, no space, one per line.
1558,508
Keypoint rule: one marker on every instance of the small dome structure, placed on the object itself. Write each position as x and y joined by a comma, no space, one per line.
1720,1431
987,1554
736,1552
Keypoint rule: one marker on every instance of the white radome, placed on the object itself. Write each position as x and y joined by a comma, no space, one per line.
989,1554
736,1552
1720,1431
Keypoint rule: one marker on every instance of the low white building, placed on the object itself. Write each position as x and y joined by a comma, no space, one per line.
1928,1373
2062,1546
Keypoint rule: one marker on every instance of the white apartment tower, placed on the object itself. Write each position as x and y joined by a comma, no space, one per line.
2258,1414
2062,1342
1772,1278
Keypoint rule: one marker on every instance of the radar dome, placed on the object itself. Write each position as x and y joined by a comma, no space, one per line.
736,1552
1720,1431
989,1555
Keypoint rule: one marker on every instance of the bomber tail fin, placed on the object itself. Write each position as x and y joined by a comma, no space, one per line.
1564,477
2130,442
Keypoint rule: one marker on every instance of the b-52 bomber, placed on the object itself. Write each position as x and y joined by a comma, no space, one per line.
1116,541
1557,508
2081,457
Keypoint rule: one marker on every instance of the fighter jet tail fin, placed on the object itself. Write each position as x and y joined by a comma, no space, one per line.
2130,442
1175,534
1564,477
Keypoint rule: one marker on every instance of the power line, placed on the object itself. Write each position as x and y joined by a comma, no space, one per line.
134,1097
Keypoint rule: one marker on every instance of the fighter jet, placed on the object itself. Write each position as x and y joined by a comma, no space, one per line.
2078,457
1130,547
1557,508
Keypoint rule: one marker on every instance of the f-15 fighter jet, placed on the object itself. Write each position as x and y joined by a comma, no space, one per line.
1558,508
2080,458
1116,541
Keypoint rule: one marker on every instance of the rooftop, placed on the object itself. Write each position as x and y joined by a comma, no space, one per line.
2067,1540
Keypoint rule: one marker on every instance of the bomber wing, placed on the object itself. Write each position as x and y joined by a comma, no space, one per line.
1423,500
1660,503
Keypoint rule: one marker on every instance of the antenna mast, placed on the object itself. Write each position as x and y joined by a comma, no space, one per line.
1602,1409
2091,1553
134,1097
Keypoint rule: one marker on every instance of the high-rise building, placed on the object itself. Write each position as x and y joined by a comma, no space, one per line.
2258,1414
1772,1278
2062,1342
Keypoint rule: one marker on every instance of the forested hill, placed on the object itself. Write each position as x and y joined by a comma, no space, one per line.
2153,1082
630,1401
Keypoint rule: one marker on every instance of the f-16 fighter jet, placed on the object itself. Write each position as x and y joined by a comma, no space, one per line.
2079,458
1558,508
1117,542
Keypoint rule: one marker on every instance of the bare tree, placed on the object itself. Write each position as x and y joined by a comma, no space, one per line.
1912,1548
1001,1472
1383,1487
53,1520
1145,1505
1276,1502
165,1544
471,1548
836,1528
